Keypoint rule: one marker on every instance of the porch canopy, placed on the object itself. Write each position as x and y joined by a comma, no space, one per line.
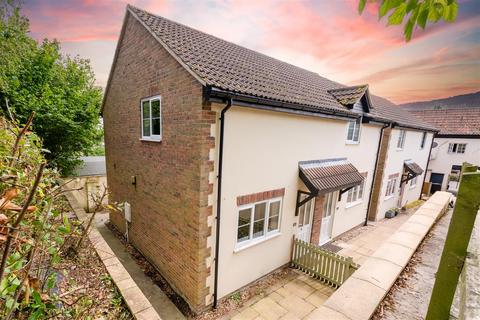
323,176
412,169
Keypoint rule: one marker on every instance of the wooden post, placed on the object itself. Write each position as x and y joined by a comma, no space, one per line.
456,244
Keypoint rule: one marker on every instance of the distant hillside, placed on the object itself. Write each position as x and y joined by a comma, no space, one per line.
461,101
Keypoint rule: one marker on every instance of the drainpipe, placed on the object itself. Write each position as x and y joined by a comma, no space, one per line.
375,170
219,199
428,163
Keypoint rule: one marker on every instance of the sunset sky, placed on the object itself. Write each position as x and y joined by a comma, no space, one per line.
324,36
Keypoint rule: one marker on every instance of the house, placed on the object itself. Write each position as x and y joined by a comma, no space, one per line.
223,155
457,141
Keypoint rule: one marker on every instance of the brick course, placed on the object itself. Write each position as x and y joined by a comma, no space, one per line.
260,196
169,201
317,219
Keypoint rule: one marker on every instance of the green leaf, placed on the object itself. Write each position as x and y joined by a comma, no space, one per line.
397,16
450,12
412,4
408,30
361,6
66,223
383,8
422,16
435,11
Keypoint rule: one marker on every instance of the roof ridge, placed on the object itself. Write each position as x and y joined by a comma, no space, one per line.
233,43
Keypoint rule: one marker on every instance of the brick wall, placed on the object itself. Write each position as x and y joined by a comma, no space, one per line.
379,172
317,219
169,202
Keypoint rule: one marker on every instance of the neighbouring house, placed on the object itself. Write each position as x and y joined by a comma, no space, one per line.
222,155
457,141
89,181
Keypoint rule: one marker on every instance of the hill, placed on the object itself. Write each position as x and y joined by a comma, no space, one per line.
469,100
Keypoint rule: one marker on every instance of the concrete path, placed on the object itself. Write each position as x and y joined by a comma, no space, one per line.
160,302
362,242
294,300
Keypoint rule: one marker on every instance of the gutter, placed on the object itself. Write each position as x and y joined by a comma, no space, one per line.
375,170
428,163
219,199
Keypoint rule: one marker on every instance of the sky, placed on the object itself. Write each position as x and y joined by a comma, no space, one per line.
325,36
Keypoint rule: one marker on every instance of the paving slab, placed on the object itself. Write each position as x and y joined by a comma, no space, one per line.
394,253
269,309
297,306
247,314
299,288
325,313
381,273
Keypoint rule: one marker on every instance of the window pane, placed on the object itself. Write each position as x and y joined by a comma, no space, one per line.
260,209
308,208
349,196
273,216
356,131
351,127
301,213
274,208
258,228
360,191
244,216
273,223
146,109
146,128
156,109
156,126
243,233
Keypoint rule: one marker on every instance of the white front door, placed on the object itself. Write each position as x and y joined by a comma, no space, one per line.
305,215
329,205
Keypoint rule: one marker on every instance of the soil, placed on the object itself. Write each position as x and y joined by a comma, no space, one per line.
236,300
410,295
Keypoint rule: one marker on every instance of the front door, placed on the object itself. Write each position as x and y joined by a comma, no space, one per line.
329,205
436,179
305,214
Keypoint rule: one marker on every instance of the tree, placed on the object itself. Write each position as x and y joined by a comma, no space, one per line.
36,77
414,12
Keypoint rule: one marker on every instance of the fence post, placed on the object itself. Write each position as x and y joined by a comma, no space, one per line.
456,243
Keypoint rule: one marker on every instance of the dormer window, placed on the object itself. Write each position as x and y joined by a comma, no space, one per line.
353,132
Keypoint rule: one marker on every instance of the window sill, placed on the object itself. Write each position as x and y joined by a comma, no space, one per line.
388,197
150,140
348,142
412,187
399,149
353,204
252,243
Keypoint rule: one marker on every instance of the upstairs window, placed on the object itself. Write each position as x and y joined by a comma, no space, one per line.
424,139
151,118
353,133
401,139
457,147
256,221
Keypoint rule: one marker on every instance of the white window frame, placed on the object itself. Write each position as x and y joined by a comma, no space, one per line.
413,182
424,140
151,137
357,126
391,187
454,147
353,197
401,139
266,234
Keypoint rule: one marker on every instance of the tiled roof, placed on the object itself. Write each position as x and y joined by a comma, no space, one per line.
413,167
349,95
329,174
458,121
223,65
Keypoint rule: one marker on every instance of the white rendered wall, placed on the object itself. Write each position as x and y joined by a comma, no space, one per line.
442,161
394,164
261,152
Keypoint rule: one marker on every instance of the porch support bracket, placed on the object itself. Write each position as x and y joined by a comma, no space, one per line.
342,191
310,196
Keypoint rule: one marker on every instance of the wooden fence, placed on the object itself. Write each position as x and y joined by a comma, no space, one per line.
327,266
